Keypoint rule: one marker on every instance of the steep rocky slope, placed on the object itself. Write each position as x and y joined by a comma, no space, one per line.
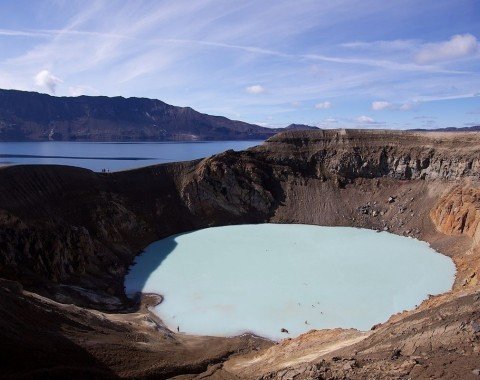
69,234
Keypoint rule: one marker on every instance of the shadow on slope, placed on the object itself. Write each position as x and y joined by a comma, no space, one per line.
34,345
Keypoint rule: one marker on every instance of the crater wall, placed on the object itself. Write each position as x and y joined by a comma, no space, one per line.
79,229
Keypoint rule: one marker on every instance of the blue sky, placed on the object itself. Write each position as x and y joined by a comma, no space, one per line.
343,63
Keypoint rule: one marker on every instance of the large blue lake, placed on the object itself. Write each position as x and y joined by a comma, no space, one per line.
261,278
112,156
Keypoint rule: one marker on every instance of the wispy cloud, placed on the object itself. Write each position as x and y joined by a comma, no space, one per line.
381,63
323,105
434,98
381,105
255,89
383,45
24,33
355,61
408,106
82,90
365,120
215,55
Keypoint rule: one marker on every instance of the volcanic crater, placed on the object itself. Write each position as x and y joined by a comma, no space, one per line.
68,236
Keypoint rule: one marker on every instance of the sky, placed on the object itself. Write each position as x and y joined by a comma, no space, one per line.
333,64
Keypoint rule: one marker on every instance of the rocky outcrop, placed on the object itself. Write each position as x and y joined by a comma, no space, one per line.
458,212
350,154
225,184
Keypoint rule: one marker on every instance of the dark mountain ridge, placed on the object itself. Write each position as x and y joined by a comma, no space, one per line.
31,116
299,127
473,128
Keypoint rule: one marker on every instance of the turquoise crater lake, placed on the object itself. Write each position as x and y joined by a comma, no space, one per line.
261,278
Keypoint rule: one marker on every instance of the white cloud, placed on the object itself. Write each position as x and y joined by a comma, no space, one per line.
365,120
255,89
458,46
381,105
384,105
82,90
323,106
46,80
407,106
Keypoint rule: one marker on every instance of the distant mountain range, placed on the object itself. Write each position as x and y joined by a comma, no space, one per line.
31,116
298,127
475,128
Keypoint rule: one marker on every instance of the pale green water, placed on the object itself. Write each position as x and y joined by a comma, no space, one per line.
260,278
